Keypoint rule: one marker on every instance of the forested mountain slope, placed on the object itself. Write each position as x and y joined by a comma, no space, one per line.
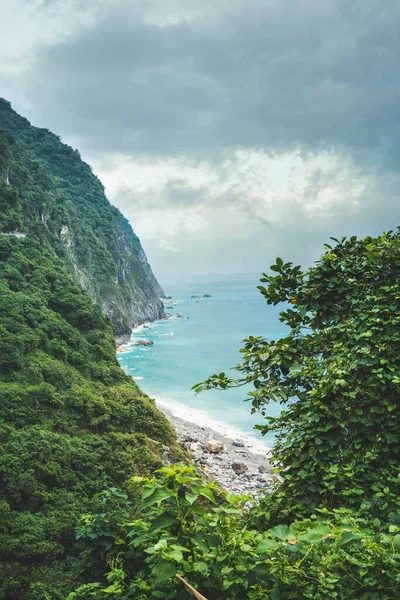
58,190
71,422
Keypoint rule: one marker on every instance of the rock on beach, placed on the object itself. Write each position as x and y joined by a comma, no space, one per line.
214,446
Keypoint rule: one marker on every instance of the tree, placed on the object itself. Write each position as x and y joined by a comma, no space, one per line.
336,374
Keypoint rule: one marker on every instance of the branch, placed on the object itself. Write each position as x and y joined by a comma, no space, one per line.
191,589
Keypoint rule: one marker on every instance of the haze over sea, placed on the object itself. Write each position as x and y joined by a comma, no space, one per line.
187,350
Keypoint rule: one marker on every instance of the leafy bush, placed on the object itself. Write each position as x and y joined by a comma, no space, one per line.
337,375
178,523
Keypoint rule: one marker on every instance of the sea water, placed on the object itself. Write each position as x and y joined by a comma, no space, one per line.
205,340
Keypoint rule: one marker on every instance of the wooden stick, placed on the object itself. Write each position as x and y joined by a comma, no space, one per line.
195,593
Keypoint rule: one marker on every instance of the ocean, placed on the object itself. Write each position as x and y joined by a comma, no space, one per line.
205,341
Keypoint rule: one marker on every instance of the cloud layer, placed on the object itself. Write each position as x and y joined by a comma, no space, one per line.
252,128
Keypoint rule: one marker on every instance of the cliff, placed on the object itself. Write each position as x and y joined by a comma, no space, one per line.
62,200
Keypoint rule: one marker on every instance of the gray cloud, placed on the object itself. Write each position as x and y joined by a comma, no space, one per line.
277,75
160,95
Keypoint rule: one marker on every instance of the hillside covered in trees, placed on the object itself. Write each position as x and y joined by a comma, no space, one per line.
71,422
61,198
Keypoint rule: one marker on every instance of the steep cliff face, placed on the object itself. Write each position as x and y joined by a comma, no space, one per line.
65,202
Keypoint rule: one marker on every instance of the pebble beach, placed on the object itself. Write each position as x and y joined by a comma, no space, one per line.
232,463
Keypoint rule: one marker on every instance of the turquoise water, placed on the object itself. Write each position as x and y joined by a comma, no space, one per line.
187,350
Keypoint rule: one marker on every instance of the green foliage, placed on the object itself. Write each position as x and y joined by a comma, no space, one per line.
62,201
71,422
337,375
178,523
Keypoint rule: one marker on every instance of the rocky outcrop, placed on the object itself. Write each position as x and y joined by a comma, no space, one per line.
143,342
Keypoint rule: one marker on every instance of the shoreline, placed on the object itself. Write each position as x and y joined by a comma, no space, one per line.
235,459
231,462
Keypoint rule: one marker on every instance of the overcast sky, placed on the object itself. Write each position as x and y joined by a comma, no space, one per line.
228,131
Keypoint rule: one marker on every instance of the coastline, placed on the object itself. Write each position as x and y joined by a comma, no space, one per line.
232,462
235,459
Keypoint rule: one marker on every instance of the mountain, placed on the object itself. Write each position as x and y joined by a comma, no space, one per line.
72,423
61,197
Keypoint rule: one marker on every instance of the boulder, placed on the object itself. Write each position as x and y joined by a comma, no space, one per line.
238,443
195,296
180,315
239,468
265,468
206,296
143,342
214,446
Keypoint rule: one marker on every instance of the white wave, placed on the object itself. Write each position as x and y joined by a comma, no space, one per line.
203,419
141,327
137,377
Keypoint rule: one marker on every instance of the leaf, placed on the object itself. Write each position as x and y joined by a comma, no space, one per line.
316,535
162,522
164,571
161,545
191,498
207,493
136,480
348,537
282,532
201,567
265,545
148,490
157,498
175,554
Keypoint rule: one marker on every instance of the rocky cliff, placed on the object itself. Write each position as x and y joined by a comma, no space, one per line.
64,201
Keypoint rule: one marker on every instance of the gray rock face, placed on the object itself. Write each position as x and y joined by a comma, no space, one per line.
135,298
143,342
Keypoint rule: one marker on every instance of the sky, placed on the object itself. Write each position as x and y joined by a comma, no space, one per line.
228,132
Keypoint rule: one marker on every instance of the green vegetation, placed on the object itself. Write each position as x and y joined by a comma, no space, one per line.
177,523
58,190
332,528
71,422
337,373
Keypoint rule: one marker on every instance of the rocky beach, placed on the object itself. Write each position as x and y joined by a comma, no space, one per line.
239,463
232,463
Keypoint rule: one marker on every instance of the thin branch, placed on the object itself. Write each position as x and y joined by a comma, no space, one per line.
191,589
